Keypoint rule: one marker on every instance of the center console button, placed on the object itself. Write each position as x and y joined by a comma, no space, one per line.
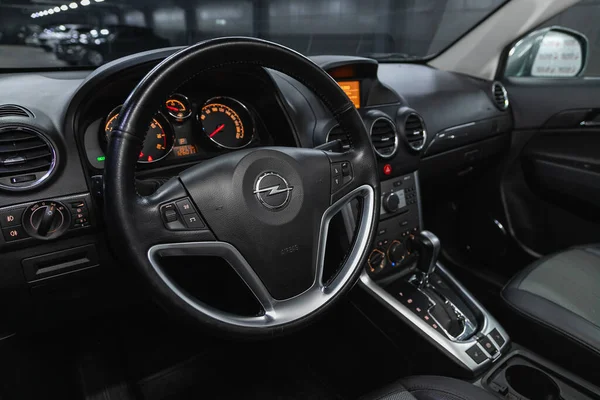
497,337
391,202
488,345
476,354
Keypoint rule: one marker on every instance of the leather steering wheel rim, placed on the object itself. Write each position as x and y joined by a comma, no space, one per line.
139,234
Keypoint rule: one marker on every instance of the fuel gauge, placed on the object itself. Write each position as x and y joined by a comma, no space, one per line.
178,106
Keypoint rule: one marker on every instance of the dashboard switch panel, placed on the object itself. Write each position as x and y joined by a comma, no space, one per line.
45,219
399,220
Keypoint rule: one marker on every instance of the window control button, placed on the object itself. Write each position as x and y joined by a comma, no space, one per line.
185,207
193,221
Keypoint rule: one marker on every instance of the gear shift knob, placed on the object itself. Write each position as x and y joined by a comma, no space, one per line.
428,245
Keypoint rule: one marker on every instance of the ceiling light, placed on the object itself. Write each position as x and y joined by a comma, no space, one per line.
73,5
50,11
85,2
99,1
34,15
64,7
56,9
44,13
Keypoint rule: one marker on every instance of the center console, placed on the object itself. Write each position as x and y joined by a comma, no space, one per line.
404,274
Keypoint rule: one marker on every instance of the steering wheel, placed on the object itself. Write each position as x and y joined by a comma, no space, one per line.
265,210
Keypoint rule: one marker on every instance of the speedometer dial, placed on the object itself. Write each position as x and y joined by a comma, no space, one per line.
159,137
227,122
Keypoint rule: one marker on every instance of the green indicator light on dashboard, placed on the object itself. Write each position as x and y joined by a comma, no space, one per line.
101,158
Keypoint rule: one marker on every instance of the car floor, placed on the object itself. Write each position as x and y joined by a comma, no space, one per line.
143,354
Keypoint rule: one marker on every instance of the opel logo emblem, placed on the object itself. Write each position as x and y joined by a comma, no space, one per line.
272,190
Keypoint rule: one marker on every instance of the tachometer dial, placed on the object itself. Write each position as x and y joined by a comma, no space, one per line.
179,106
227,122
159,137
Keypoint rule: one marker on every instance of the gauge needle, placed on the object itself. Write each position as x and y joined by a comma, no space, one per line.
219,129
173,108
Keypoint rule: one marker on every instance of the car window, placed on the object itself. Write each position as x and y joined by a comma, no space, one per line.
389,30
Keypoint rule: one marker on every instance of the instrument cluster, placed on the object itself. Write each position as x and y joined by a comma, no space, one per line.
180,127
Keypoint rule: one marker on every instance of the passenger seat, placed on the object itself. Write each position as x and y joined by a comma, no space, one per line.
559,296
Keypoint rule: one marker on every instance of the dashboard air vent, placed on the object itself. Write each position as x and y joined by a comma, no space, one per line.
11,110
27,158
384,137
415,132
500,96
337,133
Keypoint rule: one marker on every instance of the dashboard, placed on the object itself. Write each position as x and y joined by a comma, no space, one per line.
430,129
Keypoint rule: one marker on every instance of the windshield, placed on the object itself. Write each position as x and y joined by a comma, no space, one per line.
48,34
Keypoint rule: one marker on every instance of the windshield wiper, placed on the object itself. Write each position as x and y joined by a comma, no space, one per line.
391,56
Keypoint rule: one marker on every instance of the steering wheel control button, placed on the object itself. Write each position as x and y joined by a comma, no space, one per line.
170,215
181,215
185,207
11,218
476,354
488,345
193,221
497,337
336,183
273,191
336,169
14,233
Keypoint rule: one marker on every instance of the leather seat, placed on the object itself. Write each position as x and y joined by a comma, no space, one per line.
430,388
558,301
562,292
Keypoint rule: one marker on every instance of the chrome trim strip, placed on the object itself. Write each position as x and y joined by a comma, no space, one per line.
457,349
453,128
277,312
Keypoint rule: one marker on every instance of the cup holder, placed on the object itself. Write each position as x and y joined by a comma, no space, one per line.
532,383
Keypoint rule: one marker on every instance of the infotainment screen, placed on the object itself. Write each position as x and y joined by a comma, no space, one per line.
352,89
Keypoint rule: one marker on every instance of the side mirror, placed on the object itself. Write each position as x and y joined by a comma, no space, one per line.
554,52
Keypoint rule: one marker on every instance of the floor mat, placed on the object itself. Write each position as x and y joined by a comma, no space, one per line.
237,372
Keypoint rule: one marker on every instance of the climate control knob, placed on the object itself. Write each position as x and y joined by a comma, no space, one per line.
377,261
46,220
396,252
391,202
